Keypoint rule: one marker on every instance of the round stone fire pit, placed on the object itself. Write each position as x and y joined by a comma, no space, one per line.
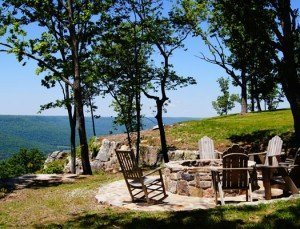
190,177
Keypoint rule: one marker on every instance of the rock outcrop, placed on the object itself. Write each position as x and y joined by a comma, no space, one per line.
106,160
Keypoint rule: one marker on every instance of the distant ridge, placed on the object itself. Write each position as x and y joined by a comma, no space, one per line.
48,133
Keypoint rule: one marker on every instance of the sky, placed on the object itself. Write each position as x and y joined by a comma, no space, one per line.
21,92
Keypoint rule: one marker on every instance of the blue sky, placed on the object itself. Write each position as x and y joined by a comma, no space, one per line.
21,92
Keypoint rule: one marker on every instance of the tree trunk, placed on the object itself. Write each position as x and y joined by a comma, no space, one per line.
256,95
252,94
78,99
92,116
258,103
84,149
244,104
128,135
138,122
163,141
72,122
288,71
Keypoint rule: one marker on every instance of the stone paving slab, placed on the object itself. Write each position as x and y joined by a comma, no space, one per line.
116,194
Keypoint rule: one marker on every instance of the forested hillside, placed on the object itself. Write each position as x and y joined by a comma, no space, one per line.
50,133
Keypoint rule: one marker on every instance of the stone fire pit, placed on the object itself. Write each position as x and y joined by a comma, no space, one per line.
190,177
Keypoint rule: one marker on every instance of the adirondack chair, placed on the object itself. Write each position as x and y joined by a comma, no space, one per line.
273,153
235,174
207,149
140,187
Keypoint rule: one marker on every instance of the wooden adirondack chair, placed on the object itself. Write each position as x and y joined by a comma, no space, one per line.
140,186
290,163
273,153
207,149
235,175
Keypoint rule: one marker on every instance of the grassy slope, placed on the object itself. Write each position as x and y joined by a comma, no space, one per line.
249,129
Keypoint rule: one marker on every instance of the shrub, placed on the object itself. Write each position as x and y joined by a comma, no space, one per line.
24,162
54,167
94,146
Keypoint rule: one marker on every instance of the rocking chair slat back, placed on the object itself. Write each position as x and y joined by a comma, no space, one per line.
128,164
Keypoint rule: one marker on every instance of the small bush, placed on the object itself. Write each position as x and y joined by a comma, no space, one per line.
24,162
54,167
94,146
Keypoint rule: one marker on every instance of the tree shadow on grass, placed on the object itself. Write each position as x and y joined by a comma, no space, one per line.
220,217
31,181
258,141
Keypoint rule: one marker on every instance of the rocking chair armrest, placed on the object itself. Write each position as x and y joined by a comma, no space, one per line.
151,172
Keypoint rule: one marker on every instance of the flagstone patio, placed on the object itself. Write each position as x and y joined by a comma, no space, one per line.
115,194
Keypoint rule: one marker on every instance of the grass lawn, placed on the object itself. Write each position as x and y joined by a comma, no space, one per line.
251,128
74,205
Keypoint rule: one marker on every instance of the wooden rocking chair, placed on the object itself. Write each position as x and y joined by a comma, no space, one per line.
235,175
140,187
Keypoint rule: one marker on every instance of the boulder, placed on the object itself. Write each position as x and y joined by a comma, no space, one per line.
67,168
56,155
104,152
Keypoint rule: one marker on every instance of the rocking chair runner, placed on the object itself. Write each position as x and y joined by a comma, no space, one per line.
140,186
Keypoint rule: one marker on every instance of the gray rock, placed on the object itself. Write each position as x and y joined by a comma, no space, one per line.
178,155
173,187
205,184
182,188
190,155
67,168
104,152
187,176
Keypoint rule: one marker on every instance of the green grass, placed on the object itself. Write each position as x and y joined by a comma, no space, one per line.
74,206
251,128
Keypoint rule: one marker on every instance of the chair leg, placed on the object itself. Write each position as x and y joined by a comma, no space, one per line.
250,192
162,183
216,197
247,196
221,193
146,194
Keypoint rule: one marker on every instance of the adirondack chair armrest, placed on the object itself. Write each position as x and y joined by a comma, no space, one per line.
214,169
218,152
260,153
153,171
287,165
223,169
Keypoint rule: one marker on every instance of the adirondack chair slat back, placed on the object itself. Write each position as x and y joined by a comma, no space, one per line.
128,164
235,179
274,149
206,148
235,157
